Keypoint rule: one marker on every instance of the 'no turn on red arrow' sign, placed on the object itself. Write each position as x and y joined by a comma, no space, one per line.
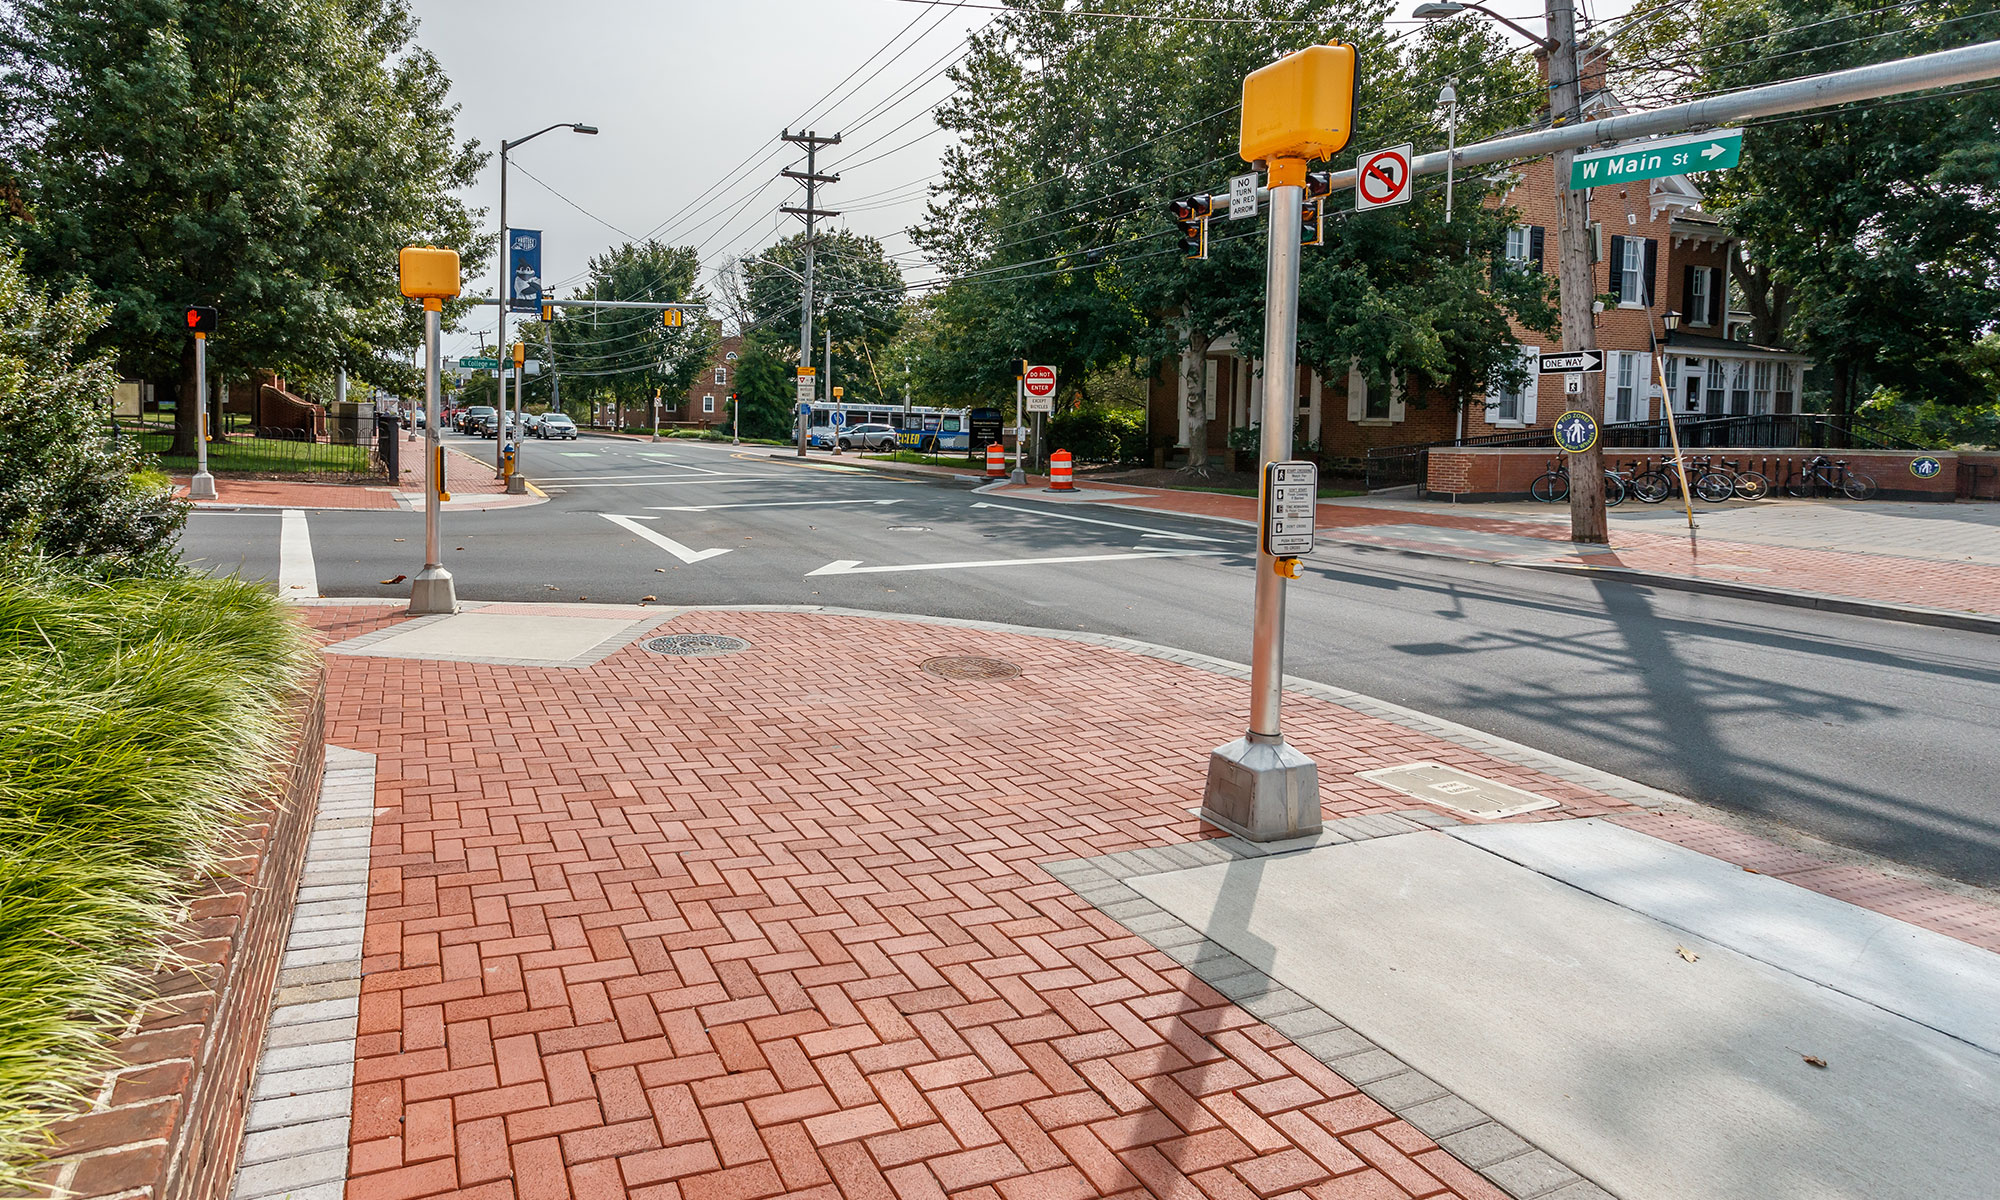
1383,178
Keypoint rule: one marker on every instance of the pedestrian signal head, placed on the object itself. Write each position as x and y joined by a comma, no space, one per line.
1300,107
199,318
1318,184
1191,213
672,317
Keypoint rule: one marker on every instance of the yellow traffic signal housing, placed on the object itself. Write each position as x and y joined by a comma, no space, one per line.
672,317
1301,106
428,273
520,353
548,312
1312,223
1191,213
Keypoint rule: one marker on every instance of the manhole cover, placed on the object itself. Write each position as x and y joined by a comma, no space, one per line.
695,645
1458,790
971,668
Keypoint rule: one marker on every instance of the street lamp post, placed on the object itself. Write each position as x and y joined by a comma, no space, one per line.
500,291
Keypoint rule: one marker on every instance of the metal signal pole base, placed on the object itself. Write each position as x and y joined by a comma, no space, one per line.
517,485
433,592
1262,789
202,487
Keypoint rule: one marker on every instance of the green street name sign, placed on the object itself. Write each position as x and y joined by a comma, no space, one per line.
1713,151
479,364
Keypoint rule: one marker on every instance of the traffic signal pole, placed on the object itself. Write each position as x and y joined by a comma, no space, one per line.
202,486
433,590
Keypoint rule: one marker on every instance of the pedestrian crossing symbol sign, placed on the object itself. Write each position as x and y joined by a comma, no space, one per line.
1576,431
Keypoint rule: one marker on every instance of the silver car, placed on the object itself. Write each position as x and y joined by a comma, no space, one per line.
868,437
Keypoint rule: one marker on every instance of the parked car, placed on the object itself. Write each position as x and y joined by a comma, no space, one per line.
555,425
868,437
468,419
482,424
417,418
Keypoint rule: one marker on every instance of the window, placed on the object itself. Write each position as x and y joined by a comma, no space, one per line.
1376,406
731,356
949,425
1623,395
1693,403
1760,388
1631,288
1516,406
1517,244
1739,388
1782,395
1673,374
1715,393
708,404
721,376
1698,296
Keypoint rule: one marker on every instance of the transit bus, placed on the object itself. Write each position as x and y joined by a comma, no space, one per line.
935,430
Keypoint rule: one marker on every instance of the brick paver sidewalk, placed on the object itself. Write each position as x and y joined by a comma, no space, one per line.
776,923
469,480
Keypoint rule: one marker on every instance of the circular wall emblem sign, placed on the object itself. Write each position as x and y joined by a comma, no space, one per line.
1576,431
1925,467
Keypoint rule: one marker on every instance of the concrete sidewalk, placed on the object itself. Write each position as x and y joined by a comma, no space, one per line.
842,911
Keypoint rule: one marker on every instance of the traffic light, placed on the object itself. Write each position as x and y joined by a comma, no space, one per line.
1319,184
1191,213
672,317
199,318
548,312
1312,223
1019,366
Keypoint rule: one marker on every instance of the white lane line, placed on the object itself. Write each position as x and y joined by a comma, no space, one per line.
761,504
298,579
852,566
631,475
578,453
662,540
1036,512
556,486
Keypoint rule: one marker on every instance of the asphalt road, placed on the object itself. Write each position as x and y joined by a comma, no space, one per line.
1867,733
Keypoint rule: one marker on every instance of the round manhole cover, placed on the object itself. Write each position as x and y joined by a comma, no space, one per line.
695,645
971,668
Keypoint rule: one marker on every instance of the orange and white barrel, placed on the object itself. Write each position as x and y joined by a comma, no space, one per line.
996,461
1059,472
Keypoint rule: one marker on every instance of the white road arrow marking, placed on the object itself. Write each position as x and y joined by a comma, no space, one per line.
852,566
1036,512
662,540
1715,151
761,504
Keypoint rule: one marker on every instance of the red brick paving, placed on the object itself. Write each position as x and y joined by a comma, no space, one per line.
800,944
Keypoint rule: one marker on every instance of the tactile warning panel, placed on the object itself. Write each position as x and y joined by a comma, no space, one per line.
506,638
1458,790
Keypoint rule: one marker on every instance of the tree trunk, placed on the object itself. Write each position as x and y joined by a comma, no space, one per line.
1194,363
186,404
1843,405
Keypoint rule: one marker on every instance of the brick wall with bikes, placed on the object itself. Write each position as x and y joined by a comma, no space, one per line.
1493,473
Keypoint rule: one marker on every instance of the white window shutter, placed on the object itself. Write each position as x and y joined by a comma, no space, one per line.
1397,383
1533,361
1357,393
1212,399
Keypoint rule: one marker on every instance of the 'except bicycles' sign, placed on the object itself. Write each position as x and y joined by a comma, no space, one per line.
1576,431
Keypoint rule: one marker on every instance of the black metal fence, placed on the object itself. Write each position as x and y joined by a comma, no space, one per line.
275,453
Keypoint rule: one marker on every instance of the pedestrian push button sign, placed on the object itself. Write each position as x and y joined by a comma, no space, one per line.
1291,504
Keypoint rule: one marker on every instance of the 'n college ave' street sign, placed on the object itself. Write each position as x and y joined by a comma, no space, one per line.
1713,151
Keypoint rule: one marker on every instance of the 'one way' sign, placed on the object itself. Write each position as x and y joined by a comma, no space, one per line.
1588,362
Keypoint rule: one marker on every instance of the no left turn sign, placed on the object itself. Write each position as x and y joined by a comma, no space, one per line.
1383,178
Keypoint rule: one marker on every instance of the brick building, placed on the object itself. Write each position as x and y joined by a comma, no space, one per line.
704,405
1653,249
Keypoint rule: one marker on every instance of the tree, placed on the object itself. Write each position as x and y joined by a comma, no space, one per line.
764,386
69,489
858,297
1876,225
625,353
268,157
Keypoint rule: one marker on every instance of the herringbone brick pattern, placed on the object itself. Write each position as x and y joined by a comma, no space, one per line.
771,924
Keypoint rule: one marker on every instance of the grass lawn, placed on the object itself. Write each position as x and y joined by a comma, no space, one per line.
138,721
263,456
934,460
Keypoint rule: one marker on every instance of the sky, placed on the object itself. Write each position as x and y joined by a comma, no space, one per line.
690,97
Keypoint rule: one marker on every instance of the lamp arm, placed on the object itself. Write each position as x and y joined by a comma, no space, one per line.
1546,43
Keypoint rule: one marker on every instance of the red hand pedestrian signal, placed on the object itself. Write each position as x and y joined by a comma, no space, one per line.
200,319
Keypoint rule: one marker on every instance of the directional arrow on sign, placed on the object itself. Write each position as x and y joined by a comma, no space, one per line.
662,540
1715,151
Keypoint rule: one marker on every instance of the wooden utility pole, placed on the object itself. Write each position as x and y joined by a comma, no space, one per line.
1574,277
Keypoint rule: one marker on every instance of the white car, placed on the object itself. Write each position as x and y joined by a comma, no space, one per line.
555,425
868,437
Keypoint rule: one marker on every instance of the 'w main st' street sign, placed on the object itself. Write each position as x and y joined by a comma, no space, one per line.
1713,151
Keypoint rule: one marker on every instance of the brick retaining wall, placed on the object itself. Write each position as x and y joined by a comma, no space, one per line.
1491,473
168,1120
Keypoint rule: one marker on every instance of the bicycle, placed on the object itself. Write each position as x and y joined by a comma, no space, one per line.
1662,481
1749,484
1833,476
1552,485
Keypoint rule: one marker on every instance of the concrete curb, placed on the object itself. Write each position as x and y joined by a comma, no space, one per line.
1909,614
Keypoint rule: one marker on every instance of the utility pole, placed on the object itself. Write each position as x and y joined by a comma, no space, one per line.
811,212
1573,274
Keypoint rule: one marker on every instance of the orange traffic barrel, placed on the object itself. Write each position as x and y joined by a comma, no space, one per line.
996,461
1059,472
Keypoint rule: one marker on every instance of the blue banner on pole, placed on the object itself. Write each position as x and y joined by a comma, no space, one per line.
524,270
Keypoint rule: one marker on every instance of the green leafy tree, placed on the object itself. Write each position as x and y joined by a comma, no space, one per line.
764,386
1874,226
69,489
858,297
268,157
625,353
